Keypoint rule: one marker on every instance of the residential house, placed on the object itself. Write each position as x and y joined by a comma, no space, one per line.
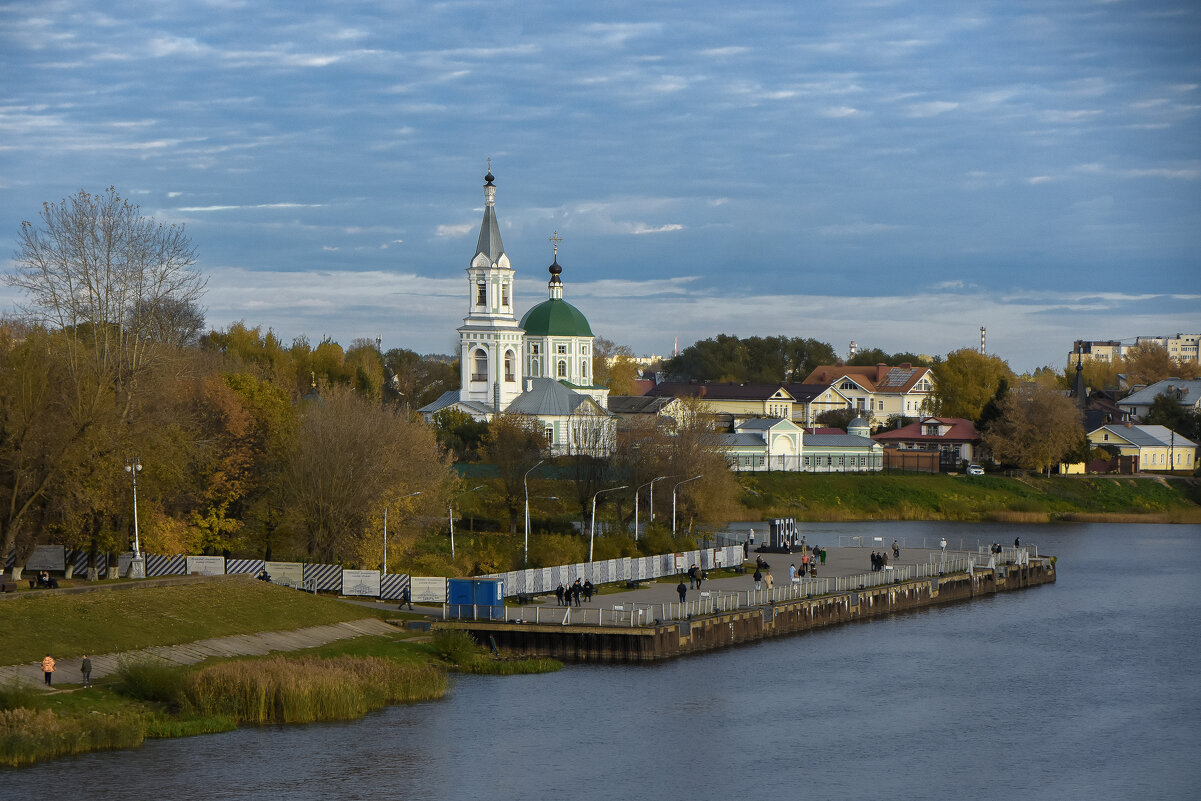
1186,392
877,392
778,444
954,438
1156,448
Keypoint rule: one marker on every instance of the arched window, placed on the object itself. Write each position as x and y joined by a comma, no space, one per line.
562,368
509,376
479,370
481,292
584,368
534,369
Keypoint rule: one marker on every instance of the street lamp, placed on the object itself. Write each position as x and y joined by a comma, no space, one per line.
673,502
450,512
402,497
133,467
592,537
525,558
650,484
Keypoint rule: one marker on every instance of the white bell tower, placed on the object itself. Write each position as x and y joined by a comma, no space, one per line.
490,338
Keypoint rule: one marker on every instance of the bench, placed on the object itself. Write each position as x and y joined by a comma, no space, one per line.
8,586
524,599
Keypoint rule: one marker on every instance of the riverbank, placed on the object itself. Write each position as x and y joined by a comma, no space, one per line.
988,498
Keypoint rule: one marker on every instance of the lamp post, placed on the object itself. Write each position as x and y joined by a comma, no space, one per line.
133,467
673,502
402,497
525,557
592,536
450,512
650,484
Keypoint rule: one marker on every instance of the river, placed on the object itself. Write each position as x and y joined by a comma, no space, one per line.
1085,689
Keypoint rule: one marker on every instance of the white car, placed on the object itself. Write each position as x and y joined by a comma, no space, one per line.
975,470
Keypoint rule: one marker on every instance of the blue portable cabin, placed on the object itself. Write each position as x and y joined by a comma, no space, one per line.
475,598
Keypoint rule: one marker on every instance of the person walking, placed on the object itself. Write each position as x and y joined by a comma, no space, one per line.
767,580
48,668
405,598
559,594
942,545
758,579
682,589
792,570
589,588
896,550
85,667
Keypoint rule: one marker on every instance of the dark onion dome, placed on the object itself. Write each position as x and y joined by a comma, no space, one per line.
555,318
554,268
489,178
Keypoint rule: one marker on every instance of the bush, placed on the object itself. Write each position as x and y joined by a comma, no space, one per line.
455,646
27,735
150,679
15,694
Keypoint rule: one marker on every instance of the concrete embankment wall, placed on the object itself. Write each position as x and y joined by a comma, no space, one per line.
721,630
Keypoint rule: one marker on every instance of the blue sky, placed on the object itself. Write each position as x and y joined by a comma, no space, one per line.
897,173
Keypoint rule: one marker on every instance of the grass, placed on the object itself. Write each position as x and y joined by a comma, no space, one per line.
126,620
915,496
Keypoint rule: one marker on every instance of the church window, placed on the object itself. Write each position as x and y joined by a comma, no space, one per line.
509,366
504,294
584,368
481,292
534,349
562,349
562,369
534,368
480,366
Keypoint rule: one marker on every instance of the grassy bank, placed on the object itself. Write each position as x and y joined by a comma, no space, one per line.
149,699
108,622
910,496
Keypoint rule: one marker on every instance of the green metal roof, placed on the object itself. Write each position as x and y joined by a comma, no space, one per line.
555,317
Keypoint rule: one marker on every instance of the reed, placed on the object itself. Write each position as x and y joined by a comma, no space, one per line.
150,679
28,735
511,667
282,690
15,694
1017,516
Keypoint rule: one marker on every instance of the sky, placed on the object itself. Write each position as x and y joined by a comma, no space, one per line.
895,173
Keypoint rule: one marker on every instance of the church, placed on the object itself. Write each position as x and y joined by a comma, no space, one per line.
540,366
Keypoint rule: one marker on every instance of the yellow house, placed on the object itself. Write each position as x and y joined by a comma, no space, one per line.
877,392
1156,447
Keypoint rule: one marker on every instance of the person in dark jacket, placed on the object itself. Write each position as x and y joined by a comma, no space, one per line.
559,594
85,667
588,590
682,589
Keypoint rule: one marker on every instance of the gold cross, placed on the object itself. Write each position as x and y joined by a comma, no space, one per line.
556,239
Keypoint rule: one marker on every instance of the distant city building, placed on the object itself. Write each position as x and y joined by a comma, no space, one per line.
1182,348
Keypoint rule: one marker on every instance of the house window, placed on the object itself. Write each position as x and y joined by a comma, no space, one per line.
847,385
562,349
881,406
481,292
562,368
549,433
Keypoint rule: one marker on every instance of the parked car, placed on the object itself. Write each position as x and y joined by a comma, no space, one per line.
975,470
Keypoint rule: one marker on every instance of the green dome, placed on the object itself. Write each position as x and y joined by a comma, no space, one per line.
555,317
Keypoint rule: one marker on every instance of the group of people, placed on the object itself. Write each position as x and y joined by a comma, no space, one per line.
46,582
879,560
566,596
85,668
809,562
695,576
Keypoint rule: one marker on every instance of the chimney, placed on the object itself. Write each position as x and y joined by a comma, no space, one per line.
881,371
529,385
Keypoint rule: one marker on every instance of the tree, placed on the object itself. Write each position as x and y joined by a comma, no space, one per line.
1150,362
757,359
837,418
872,356
515,443
351,457
459,434
1167,411
1037,428
965,380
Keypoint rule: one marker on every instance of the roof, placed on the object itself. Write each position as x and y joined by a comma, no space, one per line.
1187,391
873,378
489,242
837,441
637,404
452,398
718,391
547,397
961,430
805,393
765,424
742,441
1147,436
555,317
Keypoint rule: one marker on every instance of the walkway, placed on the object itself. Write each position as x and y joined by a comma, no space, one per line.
67,670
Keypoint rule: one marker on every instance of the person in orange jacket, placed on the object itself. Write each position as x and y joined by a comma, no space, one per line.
48,668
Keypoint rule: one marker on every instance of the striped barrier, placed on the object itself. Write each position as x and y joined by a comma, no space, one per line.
243,566
392,586
326,577
158,565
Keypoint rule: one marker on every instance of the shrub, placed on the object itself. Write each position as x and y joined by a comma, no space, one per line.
455,646
27,735
150,679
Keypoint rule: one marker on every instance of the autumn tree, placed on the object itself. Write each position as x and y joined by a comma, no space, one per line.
872,356
1037,428
965,380
1149,362
515,443
755,359
613,366
1167,410
350,458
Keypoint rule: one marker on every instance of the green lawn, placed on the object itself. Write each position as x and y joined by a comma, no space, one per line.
122,620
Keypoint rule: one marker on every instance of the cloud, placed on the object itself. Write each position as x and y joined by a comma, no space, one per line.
643,228
254,206
836,112
460,229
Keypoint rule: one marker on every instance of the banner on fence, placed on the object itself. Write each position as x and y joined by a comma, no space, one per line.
48,557
360,582
289,574
206,565
427,590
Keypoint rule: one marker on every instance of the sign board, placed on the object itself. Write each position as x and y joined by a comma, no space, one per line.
719,557
681,563
360,582
428,590
289,574
48,557
206,565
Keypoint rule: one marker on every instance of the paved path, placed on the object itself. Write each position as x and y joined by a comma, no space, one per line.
67,670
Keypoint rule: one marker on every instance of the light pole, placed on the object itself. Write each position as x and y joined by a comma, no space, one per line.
133,467
525,557
652,514
402,497
450,512
673,502
592,537
650,484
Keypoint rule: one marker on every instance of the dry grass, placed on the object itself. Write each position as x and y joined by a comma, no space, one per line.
28,735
